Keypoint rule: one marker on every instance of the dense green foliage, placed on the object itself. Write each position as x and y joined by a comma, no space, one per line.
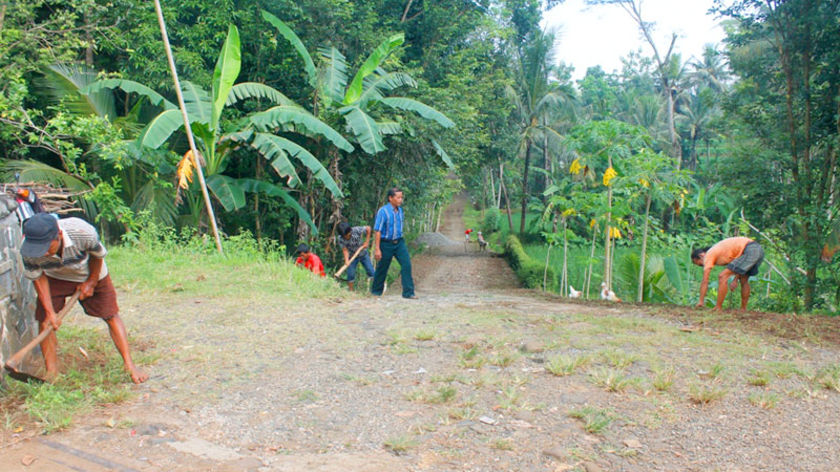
307,111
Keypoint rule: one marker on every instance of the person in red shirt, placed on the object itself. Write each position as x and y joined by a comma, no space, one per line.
309,260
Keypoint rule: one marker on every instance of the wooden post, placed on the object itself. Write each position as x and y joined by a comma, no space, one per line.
187,127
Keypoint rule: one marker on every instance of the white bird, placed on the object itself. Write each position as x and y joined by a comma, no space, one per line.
573,293
607,294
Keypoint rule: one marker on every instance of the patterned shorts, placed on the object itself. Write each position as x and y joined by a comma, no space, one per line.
748,262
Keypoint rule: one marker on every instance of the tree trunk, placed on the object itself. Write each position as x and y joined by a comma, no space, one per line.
492,188
588,282
640,295
501,179
525,187
676,148
607,245
546,160
257,222
507,202
564,287
545,271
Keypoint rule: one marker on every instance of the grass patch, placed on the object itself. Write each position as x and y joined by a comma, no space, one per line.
400,444
704,394
471,359
306,396
564,365
766,400
82,385
759,378
502,444
618,358
595,420
442,394
425,335
663,379
504,358
829,378
611,380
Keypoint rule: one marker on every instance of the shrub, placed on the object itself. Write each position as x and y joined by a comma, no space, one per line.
529,271
492,219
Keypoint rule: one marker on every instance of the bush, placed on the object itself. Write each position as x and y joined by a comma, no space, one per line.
492,220
529,271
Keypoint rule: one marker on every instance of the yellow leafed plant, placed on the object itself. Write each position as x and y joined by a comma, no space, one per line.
615,233
575,168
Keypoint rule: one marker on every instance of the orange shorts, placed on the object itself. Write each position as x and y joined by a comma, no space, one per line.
102,304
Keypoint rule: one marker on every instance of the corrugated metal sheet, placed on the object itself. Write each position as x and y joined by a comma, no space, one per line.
17,294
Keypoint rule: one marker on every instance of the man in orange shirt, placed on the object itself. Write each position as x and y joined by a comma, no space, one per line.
741,256
309,260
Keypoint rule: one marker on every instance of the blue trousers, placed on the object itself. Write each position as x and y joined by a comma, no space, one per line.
364,258
391,250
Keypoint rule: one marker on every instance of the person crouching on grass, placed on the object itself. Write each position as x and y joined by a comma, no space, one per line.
350,240
308,260
62,257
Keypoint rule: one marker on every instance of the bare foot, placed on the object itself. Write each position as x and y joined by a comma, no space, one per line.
137,375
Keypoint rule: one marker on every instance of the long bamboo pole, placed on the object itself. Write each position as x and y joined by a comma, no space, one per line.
187,127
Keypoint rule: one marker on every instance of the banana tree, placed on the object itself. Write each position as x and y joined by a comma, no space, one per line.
258,132
360,104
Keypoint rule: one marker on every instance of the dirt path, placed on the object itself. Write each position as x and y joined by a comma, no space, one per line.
458,380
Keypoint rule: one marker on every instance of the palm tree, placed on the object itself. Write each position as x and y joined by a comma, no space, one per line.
534,96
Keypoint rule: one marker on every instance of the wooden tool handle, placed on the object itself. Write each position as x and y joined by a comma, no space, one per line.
345,266
13,362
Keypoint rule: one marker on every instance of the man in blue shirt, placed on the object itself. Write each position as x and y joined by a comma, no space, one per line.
389,243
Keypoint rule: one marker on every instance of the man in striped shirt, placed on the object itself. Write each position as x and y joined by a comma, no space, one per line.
62,257
389,243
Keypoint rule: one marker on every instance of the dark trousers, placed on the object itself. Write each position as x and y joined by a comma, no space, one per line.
391,250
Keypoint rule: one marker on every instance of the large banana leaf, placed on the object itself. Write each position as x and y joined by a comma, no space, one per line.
370,65
161,128
252,185
227,190
251,90
375,85
296,43
365,129
389,127
427,112
130,86
277,150
225,73
198,103
283,115
443,155
333,77
67,82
